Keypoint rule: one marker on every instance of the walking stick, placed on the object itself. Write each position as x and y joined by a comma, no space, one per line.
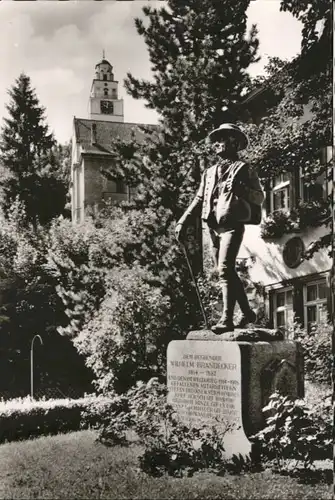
195,284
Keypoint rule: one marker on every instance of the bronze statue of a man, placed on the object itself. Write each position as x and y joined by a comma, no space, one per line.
228,177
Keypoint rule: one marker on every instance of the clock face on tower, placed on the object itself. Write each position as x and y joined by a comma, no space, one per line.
107,107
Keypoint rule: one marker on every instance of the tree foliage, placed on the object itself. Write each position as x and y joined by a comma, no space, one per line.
29,306
298,120
200,52
122,308
310,13
34,185
32,162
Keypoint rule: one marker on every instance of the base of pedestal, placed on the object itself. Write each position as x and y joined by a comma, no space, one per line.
209,377
268,367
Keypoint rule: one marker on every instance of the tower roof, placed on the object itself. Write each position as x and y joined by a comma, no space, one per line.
104,61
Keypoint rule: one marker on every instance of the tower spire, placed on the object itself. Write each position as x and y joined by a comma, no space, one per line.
103,53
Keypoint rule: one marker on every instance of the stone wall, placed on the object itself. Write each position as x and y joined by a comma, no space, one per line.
95,182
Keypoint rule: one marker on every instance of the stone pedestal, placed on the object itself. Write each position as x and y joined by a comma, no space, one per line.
218,382
268,367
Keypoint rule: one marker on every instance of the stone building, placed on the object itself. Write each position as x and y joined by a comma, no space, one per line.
92,144
294,287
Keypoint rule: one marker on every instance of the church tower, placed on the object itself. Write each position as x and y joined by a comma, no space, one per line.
105,104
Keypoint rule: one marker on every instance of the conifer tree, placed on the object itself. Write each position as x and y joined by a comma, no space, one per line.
200,52
28,154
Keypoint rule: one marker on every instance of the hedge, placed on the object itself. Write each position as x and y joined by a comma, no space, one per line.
26,418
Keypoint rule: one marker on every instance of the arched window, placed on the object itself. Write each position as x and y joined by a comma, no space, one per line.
105,91
105,77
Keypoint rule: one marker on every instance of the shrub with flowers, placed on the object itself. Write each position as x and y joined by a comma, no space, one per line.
277,224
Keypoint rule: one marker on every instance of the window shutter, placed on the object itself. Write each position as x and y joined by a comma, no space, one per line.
271,308
295,194
267,201
331,295
298,303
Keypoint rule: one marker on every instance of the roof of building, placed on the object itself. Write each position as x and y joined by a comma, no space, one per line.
104,132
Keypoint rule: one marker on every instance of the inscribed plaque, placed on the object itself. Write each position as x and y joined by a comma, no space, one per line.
204,386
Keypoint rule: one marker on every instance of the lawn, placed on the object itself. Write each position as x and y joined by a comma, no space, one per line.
75,466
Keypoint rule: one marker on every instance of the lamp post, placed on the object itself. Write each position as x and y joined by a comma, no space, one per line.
32,364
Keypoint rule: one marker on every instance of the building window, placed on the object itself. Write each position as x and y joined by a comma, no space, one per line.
121,187
280,196
316,191
311,192
326,155
78,199
283,315
315,303
108,195
115,197
106,92
104,77
116,187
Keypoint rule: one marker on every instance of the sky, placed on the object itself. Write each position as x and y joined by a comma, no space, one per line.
57,44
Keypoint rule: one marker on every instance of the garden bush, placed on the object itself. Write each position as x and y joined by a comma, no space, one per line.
317,346
121,278
25,418
170,447
295,431
126,339
110,417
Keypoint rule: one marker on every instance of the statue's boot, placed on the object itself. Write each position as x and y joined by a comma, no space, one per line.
225,324
246,319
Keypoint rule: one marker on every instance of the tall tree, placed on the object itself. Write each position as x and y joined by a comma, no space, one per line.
28,154
200,52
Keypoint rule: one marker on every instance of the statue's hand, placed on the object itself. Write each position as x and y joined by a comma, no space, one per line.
180,232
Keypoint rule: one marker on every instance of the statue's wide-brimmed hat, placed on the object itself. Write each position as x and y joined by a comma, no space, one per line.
228,129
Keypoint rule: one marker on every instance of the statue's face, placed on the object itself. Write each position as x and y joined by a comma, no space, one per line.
226,147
